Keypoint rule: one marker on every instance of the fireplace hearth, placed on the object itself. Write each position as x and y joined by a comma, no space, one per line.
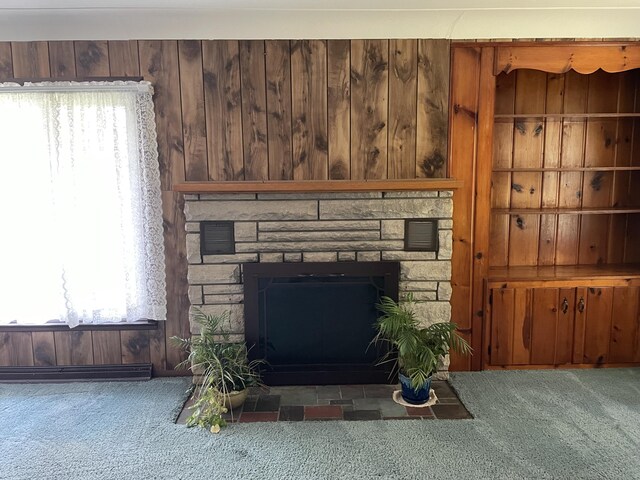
313,322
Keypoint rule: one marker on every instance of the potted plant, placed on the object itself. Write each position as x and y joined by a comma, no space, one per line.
223,367
415,350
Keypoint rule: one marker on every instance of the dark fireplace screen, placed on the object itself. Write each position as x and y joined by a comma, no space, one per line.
313,322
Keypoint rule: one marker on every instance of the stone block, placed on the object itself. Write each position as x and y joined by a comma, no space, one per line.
270,257
227,196
445,224
386,208
191,196
223,289
245,231
211,274
193,248
417,194
445,193
326,226
444,291
230,258
251,210
424,296
320,246
368,256
392,229
318,236
292,257
346,256
401,255
423,271
236,317
319,257
416,286
192,227
223,299
195,294
429,313
445,244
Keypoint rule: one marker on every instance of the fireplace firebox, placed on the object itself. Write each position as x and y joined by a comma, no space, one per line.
313,322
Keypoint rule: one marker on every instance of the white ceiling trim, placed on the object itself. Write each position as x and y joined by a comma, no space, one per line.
28,24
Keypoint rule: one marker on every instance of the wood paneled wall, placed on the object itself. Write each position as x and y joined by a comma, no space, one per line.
248,110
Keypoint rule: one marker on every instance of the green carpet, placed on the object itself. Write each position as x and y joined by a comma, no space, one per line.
529,424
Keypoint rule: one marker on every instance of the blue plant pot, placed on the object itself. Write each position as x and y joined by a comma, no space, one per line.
412,396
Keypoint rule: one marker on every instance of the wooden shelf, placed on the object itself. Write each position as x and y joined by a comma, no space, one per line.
568,169
561,116
561,211
319,186
563,273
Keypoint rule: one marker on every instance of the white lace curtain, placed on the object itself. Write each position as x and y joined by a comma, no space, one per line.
82,234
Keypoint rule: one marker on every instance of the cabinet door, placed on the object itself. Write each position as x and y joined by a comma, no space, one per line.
552,326
597,324
625,325
510,326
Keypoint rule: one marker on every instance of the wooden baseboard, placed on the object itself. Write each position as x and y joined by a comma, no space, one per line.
64,373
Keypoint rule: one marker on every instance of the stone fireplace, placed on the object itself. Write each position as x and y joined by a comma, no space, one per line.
320,229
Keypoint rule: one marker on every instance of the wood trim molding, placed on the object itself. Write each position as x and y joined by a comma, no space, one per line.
319,186
63,327
562,58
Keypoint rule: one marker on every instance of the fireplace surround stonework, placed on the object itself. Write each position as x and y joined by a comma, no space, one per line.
318,227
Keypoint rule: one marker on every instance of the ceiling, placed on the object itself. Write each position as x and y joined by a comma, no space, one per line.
455,19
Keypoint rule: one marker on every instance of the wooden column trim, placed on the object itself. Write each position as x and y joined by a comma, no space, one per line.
484,160
327,186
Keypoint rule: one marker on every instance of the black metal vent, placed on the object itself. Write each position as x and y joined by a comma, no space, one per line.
421,235
216,238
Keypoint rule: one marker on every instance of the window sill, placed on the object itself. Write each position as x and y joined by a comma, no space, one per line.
62,327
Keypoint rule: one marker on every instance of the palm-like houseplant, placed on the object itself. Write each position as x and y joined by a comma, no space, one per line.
223,367
415,350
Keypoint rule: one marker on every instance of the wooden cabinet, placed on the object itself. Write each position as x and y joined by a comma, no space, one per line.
590,321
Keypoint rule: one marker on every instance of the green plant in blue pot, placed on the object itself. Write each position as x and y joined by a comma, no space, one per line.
414,349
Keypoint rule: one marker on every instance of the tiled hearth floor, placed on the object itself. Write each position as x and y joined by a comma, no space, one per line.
339,402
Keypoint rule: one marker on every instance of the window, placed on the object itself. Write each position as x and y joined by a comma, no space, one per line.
82,234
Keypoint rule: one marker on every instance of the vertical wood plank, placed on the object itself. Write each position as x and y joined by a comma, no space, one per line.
63,347
564,329
5,359
502,320
254,109
546,306
594,234
433,108
81,347
92,58
124,60
369,108
464,94
30,59
579,325
567,239
106,347
135,346
223,109
403,80
309,109
159,343
44,349
62,59
20,349
6,62
278,78
339,108
523,239
176,266
625,324
597,334
194,128
522,323
159,65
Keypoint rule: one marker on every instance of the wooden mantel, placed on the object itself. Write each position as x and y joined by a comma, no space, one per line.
328,186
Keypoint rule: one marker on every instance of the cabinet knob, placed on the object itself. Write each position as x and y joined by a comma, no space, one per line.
565,305
581,305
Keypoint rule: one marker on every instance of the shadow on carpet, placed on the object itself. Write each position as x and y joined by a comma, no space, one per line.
529,424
